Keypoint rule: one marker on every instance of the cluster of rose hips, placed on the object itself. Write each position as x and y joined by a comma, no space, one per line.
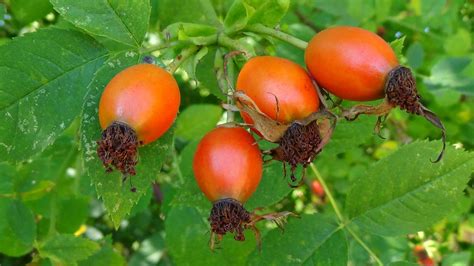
278,100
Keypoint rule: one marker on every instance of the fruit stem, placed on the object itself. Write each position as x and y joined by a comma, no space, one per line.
233,45
258,28
328,193
185,54
339,215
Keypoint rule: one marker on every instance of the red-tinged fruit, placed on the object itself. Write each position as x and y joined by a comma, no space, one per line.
278,98
356,64
317,189
137,107
228,164
279,87
227,167
422,256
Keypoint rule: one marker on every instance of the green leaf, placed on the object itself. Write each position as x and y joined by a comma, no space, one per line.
117,197
42,76
187,238
332,252
196,120
404,192
17,228
308,236
7,175
205,70
122,21
27,11
106,256
459,43
397,46
189,11
3,10
457,259
268,12
238,16
361,132
272,188
150,253
72,213
199,34
415,55
447,73
67,249
382,9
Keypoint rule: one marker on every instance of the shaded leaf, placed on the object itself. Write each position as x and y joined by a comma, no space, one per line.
27,11
196,120
17,228
67,249
189,11
106,256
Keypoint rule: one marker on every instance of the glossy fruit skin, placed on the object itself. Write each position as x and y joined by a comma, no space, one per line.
350,62
228,164
267,78
145,97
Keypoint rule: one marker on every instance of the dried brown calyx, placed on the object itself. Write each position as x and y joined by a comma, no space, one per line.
298,146
299,141
118,148
229,216
400,90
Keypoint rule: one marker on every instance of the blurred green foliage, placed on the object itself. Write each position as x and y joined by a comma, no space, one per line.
51,214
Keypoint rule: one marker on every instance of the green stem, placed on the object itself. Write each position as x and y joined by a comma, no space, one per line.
258,28
185,54
233,45
339,214
364,245
158,47
176,166
52,220
328,193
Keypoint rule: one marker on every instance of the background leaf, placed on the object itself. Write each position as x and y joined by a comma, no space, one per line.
191,11
196,120
67,249
17,228
26,11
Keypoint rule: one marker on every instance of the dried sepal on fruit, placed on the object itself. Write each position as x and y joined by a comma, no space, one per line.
356,64
299,141
227,167
400,91
118,148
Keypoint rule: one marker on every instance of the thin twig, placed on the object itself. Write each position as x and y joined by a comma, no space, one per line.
258,28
